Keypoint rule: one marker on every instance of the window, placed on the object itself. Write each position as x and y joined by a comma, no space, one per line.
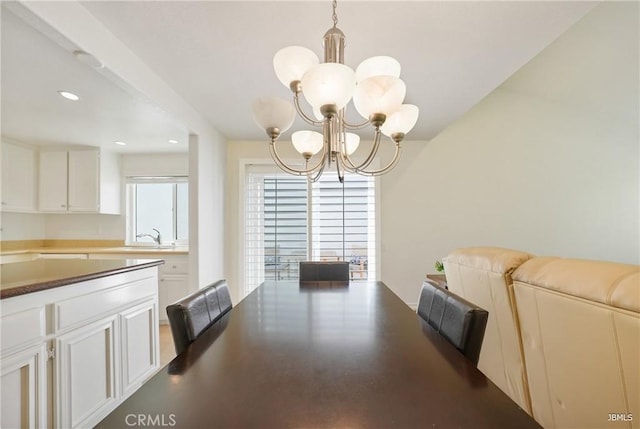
157,205
288,220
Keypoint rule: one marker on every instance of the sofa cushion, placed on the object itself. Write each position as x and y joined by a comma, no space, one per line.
604,282
493,259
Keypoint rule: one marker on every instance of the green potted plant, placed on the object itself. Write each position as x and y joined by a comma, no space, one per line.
439,266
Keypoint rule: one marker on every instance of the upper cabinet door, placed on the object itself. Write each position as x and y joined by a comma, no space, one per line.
71,181
53,181
18,178
84,181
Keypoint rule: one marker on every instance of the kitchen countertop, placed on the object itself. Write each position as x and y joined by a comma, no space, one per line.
21,278
133,250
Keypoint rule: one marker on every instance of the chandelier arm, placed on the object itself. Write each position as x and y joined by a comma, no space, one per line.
283,166
356,126
313,179
307,118
347,168
339,170
372,154
389,166
345,158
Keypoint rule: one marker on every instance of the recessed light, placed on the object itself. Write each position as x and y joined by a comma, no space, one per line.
69,95
119,143
173,141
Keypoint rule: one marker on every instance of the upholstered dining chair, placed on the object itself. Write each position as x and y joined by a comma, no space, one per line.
192,315
459,321
324,271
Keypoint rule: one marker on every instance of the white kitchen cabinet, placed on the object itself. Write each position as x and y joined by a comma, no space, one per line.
174,284
173,277
86,374
62,256
23,385
69,355
171,289
52,195
139,331
18,178
79,181
9,258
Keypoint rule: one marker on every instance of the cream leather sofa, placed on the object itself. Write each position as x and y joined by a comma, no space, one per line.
483,276
579,324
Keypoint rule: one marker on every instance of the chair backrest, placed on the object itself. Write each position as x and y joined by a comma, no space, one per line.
224,297
333,271
456,319
192,315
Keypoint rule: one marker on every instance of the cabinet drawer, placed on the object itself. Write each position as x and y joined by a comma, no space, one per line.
23,328
174,267
63,256
83,308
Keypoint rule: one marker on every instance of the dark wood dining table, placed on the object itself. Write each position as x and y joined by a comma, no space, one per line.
320,356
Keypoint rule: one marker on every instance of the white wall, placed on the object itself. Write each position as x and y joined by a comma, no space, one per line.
548,163
21,226
237,151
158,164
207,166
84,226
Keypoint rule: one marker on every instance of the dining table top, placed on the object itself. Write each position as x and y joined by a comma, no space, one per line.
320,356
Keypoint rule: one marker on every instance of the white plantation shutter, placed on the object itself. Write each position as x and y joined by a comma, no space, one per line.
288,220
344,224
285,231
275,226
253,231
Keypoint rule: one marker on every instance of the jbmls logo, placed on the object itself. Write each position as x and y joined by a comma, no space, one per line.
620,417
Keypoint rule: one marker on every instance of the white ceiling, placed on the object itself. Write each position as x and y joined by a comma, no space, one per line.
217,56
34,68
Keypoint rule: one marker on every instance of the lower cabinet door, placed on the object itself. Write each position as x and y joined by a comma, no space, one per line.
171,289
140,348
86,374
23,393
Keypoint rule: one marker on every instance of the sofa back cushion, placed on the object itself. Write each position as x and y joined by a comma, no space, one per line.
482,275
580,325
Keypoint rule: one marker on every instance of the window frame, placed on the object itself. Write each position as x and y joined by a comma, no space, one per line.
131,212
243,170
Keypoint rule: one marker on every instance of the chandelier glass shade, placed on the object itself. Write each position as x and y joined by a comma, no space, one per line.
376,90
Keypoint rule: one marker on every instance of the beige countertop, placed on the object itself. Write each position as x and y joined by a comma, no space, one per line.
132,250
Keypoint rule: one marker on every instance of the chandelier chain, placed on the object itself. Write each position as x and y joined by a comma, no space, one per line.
335,15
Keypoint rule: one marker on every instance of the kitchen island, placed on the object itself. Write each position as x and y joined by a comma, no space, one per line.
78,337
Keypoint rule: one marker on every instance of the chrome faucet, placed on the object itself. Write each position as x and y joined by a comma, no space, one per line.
155,238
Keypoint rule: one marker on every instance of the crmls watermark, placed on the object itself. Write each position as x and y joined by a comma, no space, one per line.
155,420
620,417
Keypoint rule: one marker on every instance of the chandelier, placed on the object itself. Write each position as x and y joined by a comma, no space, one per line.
377,92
